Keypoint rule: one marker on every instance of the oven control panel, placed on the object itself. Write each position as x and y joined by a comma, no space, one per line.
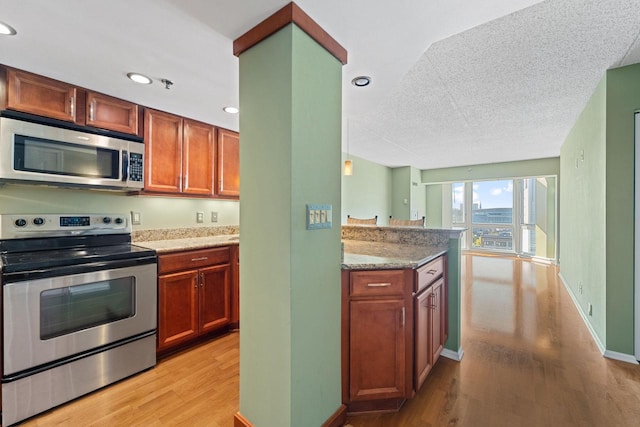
18,226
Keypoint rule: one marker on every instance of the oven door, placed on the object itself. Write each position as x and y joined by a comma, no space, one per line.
46,320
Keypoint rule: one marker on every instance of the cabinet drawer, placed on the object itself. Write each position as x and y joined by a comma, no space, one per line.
380,282
428,273
193,259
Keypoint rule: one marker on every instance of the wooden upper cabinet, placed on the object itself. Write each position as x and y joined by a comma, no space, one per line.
163,152
106,112
180,154
198,157
39,95
228,177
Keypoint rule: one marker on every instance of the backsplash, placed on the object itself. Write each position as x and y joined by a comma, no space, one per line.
401,235
183,233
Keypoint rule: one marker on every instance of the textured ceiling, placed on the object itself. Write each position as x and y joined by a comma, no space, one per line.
510,89
455,82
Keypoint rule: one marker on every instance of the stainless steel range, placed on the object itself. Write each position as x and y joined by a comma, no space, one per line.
79,308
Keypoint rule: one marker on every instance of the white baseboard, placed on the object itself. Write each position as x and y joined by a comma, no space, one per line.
629,358
623,357
453,355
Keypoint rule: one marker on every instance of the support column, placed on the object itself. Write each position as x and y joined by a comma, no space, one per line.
290,156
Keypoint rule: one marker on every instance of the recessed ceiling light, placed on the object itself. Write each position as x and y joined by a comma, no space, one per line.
139,78
231,110
7,30
361,81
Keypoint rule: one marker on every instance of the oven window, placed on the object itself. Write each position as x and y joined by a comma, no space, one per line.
74,308
61,158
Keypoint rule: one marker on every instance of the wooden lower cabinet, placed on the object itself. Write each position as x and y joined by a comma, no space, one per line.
377,329
215,302
437,343
378,359
423,339
394,326
177,308
193,302
235,287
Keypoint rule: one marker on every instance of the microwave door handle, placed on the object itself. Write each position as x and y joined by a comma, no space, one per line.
125,165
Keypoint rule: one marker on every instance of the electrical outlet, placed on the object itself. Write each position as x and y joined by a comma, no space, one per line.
199,217
214,216
135,218
580,287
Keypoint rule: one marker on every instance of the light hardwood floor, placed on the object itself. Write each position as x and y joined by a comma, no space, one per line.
529,361
198,387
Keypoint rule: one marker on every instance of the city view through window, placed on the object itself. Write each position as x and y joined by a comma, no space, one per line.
507,215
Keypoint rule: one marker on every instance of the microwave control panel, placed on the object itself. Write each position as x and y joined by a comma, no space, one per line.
135,167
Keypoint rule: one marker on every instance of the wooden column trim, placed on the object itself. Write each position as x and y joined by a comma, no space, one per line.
338,419
291,13
240,421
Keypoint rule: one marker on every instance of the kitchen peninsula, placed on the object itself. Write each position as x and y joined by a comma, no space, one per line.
396,311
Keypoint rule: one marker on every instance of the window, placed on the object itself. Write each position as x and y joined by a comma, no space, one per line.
509,215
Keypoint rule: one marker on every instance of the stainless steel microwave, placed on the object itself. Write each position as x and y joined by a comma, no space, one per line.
41,153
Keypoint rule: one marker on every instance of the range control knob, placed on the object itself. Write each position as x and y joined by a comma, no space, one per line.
21,222
38,221
106,220
119,220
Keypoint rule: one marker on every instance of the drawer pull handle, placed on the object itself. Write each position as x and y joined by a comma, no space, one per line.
432,271
403,316
202,258
378,285
72,107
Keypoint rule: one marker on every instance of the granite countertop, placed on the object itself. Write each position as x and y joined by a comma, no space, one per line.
173,245
365,255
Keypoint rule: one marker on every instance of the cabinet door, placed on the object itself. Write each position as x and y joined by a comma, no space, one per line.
39,95
436,320
228,163
111,113
377,349
198,157
235,286
422,334
163,152
177,308
215,307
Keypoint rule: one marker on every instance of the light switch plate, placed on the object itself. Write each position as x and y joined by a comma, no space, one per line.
318,216
135,218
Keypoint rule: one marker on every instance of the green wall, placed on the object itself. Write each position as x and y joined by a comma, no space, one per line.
597,208
290,373
583,216
155,212
438,205
623,99
519,169
418,194
368,191
401,193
